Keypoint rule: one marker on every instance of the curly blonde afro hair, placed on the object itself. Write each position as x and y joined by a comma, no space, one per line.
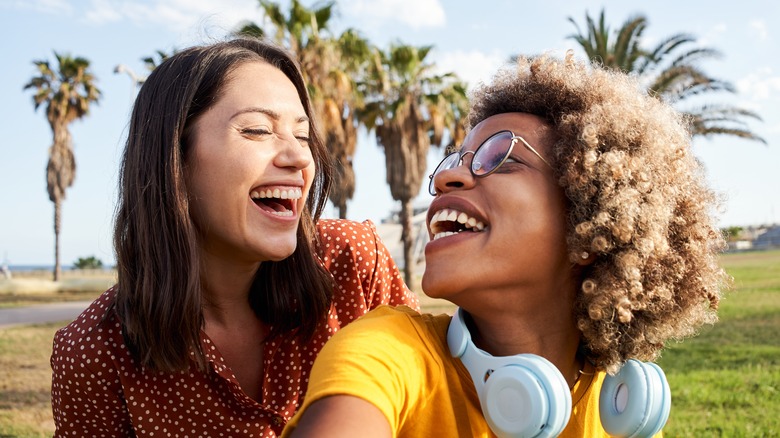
637,204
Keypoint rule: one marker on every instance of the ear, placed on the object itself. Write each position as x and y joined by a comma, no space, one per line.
583,258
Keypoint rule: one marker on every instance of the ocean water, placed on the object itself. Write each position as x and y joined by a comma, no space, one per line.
31,268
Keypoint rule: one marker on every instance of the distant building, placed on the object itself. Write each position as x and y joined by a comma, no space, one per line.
390,233
769,239
740,245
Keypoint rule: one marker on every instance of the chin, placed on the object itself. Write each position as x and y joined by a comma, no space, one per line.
277,251
432,287
277,256
442,277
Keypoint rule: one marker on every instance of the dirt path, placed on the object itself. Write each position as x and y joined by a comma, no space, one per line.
41,313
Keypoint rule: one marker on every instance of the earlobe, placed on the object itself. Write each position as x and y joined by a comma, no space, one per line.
584,258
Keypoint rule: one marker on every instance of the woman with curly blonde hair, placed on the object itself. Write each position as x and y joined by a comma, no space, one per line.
573,225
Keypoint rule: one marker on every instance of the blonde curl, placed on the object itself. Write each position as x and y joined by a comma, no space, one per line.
637,198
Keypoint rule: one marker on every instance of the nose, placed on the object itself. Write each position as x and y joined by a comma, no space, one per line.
293,153
458,177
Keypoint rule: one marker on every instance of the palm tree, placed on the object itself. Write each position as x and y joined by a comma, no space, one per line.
67,93
330,66
340,102
409,107
669,71
149,62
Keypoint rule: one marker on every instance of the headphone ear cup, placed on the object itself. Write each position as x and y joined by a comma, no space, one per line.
528,398
636,401
662,400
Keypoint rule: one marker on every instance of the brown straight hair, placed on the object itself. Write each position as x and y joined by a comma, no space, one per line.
158,295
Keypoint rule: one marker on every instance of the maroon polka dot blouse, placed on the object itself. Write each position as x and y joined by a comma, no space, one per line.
98,390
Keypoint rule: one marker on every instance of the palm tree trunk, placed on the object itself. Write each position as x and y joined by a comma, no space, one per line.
406,238
343,210
57,221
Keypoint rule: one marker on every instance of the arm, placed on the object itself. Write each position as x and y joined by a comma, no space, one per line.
370,377
84,402
342,416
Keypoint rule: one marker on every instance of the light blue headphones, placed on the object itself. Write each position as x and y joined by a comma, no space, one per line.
526,396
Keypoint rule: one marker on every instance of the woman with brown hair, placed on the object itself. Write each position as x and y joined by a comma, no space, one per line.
574,230
228,285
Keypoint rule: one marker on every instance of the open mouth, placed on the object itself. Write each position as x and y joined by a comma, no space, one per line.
277,201
448,222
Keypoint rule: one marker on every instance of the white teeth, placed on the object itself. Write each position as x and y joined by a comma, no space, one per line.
295,193
450,215
444,234
286,213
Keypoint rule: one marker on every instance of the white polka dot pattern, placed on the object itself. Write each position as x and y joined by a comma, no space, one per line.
98,390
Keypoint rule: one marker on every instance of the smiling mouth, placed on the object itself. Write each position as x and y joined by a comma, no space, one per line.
279,202
448,222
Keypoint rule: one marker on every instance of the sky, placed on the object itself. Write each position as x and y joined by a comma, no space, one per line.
472,39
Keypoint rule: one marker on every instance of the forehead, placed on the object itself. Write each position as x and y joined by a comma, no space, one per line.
532,128
257,80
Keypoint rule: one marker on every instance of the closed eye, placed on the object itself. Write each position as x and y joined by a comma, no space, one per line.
512,159
255,132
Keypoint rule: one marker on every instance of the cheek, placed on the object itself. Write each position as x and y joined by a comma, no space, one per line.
308,176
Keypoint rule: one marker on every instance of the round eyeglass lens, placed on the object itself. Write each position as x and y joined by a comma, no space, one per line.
450,161
491,153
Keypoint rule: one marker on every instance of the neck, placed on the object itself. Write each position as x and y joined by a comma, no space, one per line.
550,332
226,287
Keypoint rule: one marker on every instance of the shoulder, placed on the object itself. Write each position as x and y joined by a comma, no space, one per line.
398,324
402,314
340,231
343,242
95,332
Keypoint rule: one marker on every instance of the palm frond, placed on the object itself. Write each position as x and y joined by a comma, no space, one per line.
626,49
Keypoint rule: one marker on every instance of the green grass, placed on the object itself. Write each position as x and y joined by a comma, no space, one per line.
25,381
726,381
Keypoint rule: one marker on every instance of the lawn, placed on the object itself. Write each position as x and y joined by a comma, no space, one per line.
725,382
25,381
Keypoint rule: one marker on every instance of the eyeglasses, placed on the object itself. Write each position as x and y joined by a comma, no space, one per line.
488,156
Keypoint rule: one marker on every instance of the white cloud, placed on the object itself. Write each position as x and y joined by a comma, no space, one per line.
61,7
177,15
417,14
711,37
760,85
472,67
759,28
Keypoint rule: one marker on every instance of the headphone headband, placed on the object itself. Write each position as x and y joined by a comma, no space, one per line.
521,396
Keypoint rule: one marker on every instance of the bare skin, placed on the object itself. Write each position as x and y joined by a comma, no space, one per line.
251,143
519,290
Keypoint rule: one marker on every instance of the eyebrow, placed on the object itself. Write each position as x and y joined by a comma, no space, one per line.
268,112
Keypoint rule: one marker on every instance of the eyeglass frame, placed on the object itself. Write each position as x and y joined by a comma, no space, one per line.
514,138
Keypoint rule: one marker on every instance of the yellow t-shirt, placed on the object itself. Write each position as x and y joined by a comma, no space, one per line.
398,360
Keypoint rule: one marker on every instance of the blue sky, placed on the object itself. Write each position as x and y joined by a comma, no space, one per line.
470,38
